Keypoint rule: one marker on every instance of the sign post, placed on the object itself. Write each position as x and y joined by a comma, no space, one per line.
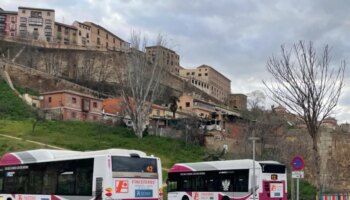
297,165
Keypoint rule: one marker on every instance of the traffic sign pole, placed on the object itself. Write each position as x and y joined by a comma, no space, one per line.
297,165
297,188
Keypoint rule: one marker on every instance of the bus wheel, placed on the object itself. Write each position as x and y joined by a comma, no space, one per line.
185,198
225,198
9,198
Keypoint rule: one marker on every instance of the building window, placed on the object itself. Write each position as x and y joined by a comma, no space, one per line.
193,73
74,100
94,118
59,28
94,104
188,104
50,99
35,14
48,21
106,44
35,21
48,13
98,40
206,74
23,20
87,35
79,33
2,18
48,31
23,11
74,114
106,35
199,74
188,73
98,31
113,40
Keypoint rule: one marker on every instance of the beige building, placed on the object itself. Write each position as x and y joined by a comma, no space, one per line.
65,34
200,108
83,34
203,109
101,37
237,101
208,80
168,58
36,23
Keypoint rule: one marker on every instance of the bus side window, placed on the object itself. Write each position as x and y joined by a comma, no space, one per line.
84,177
66,178
50,179
35,184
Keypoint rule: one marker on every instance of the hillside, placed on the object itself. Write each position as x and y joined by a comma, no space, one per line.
16,119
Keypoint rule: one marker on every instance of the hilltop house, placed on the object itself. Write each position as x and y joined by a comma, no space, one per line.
70,105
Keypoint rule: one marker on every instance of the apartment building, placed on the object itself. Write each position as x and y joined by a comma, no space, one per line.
101,37
237,101
209,80
70,105
83,34
65,34
36,23
167,58
8,23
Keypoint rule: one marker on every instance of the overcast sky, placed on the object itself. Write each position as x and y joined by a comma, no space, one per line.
236,37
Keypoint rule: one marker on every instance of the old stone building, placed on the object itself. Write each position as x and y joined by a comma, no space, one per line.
168,58
36,23
65,34
238,101
83,35
101,37
209,80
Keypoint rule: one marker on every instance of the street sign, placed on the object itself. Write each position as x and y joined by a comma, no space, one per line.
298,163
297,174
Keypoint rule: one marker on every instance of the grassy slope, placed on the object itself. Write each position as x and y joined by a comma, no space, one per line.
11,106
90,136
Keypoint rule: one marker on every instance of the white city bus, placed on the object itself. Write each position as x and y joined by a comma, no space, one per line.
59,174
227,180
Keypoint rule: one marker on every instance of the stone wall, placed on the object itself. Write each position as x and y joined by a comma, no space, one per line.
283,145
40,81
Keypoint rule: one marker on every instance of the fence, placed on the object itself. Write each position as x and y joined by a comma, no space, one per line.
335,196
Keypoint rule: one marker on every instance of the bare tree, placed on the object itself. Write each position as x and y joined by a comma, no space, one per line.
256,100
139,81
305,83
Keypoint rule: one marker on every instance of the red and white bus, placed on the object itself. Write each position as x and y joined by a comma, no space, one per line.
227,180
59,174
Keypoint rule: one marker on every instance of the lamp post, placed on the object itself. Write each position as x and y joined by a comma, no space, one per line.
253,138
254,179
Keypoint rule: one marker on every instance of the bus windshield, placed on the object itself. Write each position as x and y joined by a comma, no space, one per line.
134,167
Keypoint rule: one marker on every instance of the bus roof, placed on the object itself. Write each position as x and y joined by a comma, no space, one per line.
47,155
217,165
